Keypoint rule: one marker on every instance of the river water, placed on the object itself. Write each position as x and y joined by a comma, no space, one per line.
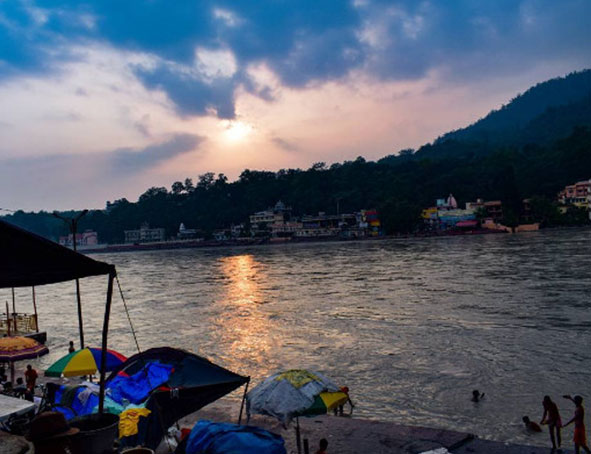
411,326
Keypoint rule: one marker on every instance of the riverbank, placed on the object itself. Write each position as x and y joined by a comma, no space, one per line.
248,242
190,244
348,435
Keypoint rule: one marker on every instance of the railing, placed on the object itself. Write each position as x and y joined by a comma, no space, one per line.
25,323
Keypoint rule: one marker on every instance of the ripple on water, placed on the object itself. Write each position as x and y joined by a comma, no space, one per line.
410,326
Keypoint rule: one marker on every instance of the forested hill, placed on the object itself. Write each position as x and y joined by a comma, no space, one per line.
543,113
399,186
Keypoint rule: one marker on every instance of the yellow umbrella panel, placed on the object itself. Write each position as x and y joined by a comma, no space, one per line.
75,364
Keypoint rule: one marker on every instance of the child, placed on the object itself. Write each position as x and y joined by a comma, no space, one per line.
530,425
323,446
552,418
476,396
580,437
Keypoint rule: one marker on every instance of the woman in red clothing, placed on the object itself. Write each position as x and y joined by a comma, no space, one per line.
552,418
580,437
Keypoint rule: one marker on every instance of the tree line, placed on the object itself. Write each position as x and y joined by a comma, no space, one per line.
399,186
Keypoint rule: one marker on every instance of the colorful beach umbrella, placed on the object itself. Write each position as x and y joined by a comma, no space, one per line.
293,393
18,348
84,362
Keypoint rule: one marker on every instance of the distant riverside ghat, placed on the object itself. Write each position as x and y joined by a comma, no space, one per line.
412,326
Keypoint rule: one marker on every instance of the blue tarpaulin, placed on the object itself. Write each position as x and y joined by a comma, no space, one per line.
138,386
216,438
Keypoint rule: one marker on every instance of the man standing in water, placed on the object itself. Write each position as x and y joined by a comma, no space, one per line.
580,437
552,418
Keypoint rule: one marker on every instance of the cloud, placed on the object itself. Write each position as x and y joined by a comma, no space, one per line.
88,180
285,144
126,160
203,49
190,94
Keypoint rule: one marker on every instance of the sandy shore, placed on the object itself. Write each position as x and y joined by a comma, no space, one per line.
349,435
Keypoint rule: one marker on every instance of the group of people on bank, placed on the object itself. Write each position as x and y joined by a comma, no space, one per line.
24,389
551,418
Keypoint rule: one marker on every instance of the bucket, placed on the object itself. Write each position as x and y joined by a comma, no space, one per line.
97,433
138,451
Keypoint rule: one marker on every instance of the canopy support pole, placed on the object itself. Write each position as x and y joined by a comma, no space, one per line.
298,437
243,400
7,319
14,311
35,308
80,323
103,367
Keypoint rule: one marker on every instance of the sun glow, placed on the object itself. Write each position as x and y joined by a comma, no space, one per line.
237,131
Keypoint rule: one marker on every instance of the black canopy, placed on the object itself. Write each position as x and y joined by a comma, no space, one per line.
27,259
194,382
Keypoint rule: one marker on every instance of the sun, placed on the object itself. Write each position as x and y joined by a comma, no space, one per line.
237,131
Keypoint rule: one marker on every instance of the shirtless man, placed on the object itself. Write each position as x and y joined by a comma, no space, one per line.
580,437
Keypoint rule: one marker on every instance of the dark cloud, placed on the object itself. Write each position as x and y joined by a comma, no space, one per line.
190,94
285,144
302,41
126,160
142,126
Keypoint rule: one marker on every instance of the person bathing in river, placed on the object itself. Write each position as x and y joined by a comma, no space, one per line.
476,396
552,418
530,425
580,438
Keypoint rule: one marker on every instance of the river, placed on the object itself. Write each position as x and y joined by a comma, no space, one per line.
410,326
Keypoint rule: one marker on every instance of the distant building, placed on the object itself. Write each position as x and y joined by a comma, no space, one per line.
446,214
346,225
578,194
221,235
370,221
450,203
261,222
285,229
185,233
87,238
145,234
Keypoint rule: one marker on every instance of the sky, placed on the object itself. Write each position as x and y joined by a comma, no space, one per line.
102,100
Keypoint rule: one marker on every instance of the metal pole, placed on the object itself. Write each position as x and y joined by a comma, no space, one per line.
73,225
14,311
35,308
112,275
78,300
80,322
243,399
7,320
298,438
